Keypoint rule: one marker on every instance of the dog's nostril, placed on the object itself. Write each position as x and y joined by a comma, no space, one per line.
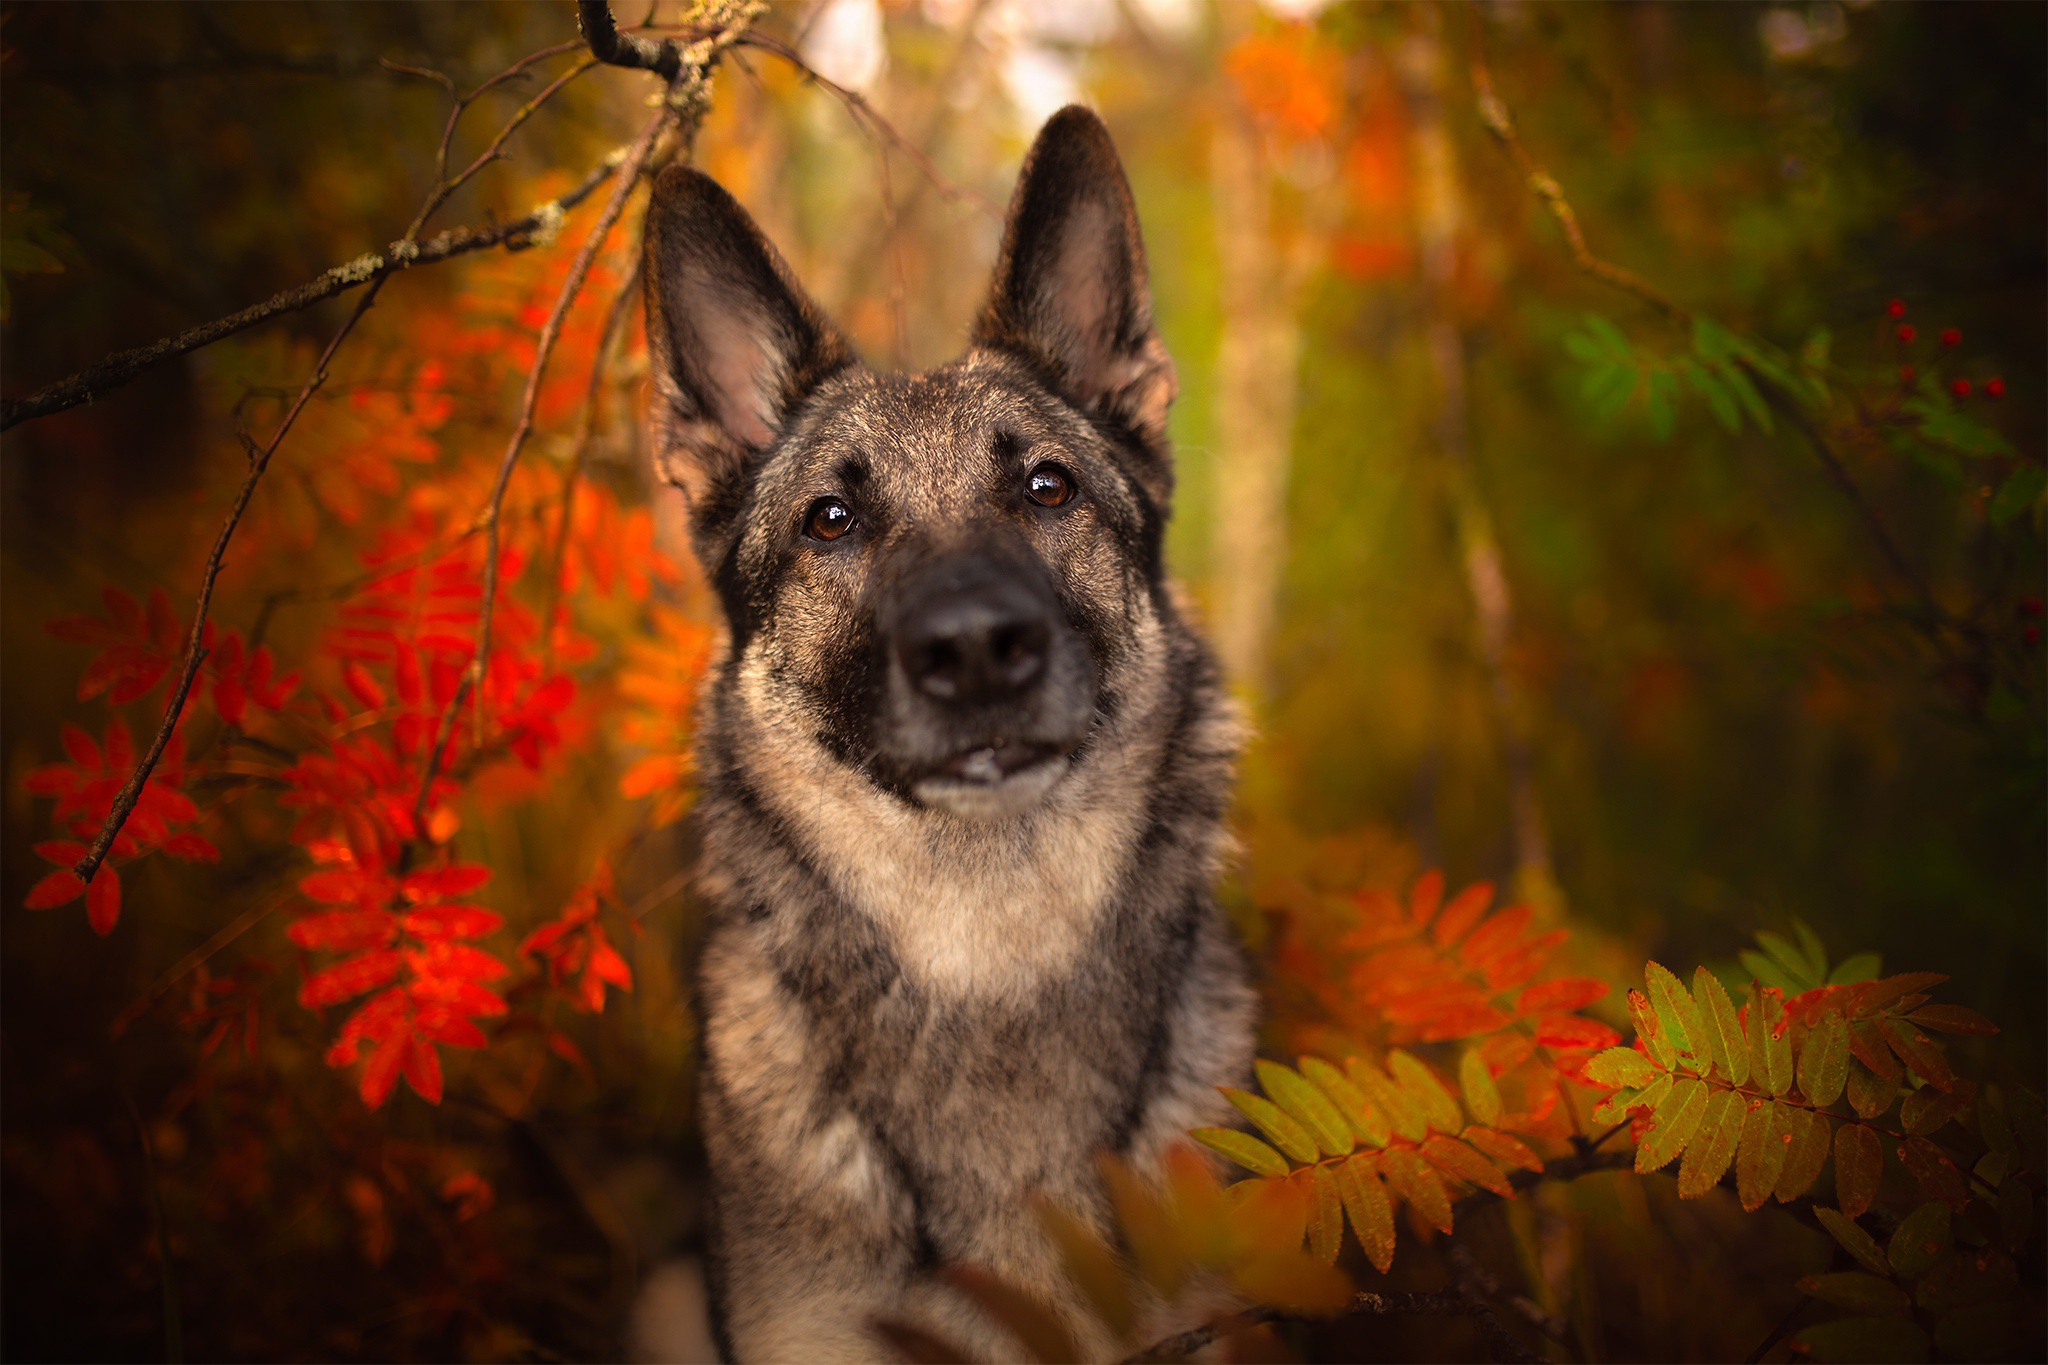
974,650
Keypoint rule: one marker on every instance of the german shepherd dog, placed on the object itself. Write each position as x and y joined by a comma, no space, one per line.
963,766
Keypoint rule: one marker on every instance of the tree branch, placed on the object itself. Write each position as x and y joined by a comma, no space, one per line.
535,227
613,48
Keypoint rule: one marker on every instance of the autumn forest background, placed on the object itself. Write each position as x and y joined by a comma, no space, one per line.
1611,466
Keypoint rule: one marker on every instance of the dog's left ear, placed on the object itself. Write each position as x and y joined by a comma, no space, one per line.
1070,293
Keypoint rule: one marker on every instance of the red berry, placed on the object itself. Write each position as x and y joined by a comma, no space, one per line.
2030,606
1994,387
1905,374
1906,332
1961,388
1951,337
1895,309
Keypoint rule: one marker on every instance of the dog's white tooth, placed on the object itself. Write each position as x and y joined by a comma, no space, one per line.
981,766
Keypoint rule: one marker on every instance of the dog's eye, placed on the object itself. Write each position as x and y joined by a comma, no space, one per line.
828,519
1049,486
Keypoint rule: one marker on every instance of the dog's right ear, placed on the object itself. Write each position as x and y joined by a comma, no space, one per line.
733,341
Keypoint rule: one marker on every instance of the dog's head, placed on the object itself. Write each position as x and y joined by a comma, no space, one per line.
938,578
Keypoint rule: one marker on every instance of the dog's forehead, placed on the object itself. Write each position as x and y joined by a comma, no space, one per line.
933,438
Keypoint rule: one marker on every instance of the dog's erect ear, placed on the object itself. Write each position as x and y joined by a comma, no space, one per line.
1070,288
733,341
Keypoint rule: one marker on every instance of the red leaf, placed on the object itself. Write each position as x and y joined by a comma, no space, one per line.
607,965
1565,993
1424,897
1507,1150
1461,914
191,848
380,1073
459,994
442,960
59,888
343,931
341,888
63,852
442,1025
79,747
346,980
362,686
103,900
1574,1033
445,883
423,1070
451,921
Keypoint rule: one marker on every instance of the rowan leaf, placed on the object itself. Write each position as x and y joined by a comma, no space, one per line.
1937,1176
1869,1093
1439,1108
57,888
1620,1067
1306,1104
103,900
1403,1113
1770,1049
1283,1128
1867,1045
1760,1155
1804,1156
1927,1108
1856,968
1952,1019
1872,996
1504,1148
1023,1315
1475,1081
1919,1052
1093,1267
1859,1166
1455,1158
1413,1179
423,1070
1326,1215
1367,1123
1762,968
1804,972
1713,1147
1922,1236
1673,1123
1853,1239
1650,1031
1723,1029
346,980
1675,1013
1565,993
1372,1215
380,1073
1824,1061
1242,1148
1858,1292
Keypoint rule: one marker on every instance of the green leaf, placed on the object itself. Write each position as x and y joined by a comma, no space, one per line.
1482,1096
1853,1239
1620,1067
1854,1340
1763,969
1276,1123
1810,946
1927,1108
1326,1216
1824,1064
1582,347
1805,1156
1439,1107
1964,435
1614,1109
1242,1148
1711,341
1745,392
1616,395
1719,401
1662,404
1813,352
1859,1166
1858,1292
1675,1012
1673,1123
1804,972
1609,337
1650,1031
1770,1042
1760,1157
1368,1124
1858,967
1372,1216
1412,1179
1723,1029
1921,1237
1403,1113
1305,1103
1713,1147
2020,491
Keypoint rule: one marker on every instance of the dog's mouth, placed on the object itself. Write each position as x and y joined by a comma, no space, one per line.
1000,776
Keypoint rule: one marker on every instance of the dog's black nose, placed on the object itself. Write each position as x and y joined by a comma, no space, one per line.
973,645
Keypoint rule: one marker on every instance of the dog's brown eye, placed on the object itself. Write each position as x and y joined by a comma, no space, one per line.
1049,486
828,519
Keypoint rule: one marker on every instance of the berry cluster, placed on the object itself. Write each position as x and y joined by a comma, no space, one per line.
1950,338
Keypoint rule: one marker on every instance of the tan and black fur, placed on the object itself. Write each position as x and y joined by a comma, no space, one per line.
963,767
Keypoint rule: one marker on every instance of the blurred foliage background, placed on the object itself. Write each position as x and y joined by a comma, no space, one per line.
1492,608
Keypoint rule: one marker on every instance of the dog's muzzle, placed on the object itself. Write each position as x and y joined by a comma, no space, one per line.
995,685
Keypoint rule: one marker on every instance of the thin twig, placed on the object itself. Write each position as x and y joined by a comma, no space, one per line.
866,114
472,678
195,649
1494,115
586,428
119,368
